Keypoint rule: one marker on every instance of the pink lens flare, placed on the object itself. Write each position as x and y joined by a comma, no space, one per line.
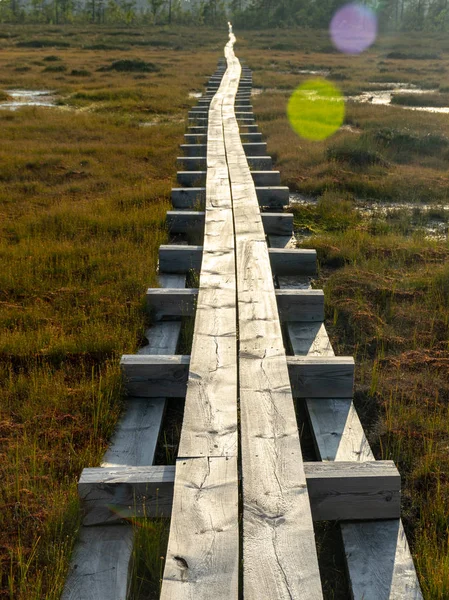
353,28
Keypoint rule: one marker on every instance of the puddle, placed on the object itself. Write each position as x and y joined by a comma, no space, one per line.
383,96
435,227
20,98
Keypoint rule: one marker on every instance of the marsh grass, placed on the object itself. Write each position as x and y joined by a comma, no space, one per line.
83,197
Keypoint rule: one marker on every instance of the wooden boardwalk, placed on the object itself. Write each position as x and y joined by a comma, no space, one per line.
239,440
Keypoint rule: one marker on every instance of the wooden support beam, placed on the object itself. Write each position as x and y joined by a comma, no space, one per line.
180,259
196,163
293,305
271,197
343,491
185,221
310,377
148,376
266,178
317,377
199,150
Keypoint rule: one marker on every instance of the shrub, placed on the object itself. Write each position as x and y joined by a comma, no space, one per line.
355,156
420,100
55,69
52,58
80,73
414,55
131,66
406,140
43,44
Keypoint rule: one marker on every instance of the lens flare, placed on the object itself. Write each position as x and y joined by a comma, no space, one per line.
316,109
353,28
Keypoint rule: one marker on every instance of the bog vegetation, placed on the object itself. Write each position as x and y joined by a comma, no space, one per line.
84,187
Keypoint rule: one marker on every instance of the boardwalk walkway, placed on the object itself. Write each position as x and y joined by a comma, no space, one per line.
242,501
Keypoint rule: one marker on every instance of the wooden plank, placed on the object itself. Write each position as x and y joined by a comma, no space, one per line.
191,178
379,561
317,377
337,491
149,376
180,259
354,491
100,564
300,305
279,554
202,557
292,262
135,438
266,178
203,550
110,495
192,197
292,304
186,221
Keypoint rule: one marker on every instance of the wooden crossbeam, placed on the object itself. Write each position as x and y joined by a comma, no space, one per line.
195,163
271,196
310,377
180,259
185,221
293,305
260,178
251,149
337,490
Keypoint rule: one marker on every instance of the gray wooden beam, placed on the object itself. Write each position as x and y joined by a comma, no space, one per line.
195,163
271,197
260,178
148,376
166,376
185,221
180,259
343,491
293,305
318,377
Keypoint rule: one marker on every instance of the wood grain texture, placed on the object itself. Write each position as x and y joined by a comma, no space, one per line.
180,258
379,561
150,376
337,491
279,554
203,550
354,491
100,564
110,495
202,559
316,377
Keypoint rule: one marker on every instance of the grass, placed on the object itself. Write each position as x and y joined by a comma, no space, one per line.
83,196
83,193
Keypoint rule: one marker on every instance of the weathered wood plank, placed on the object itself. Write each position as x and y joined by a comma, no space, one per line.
180,259
292,304
109,495
100,564
279,554
149,376
185,221
354,491
337,491
190,197
317,377
202,560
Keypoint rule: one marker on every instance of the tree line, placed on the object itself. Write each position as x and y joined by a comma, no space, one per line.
393,15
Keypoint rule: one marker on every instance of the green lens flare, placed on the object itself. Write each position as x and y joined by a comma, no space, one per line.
316,109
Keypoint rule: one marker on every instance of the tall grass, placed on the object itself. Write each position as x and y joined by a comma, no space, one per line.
83,196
